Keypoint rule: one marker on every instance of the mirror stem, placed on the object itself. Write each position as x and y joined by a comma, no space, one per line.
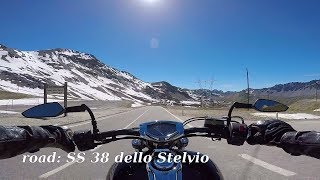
93,119
236,105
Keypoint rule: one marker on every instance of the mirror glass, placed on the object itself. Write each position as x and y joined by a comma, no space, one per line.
265,105
44,110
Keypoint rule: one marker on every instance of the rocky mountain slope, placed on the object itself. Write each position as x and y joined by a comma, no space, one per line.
293,89
287,93
87,77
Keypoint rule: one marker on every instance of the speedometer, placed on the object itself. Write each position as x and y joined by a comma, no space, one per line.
161,130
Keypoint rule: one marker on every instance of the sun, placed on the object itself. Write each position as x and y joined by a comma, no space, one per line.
151,1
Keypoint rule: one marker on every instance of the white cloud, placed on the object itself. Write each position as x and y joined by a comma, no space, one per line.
154,43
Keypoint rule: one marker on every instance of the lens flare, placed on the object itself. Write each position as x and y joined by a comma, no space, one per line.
150,1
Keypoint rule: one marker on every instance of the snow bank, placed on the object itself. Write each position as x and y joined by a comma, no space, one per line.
190,102
8,86
26,101
136,105
288,116
8,112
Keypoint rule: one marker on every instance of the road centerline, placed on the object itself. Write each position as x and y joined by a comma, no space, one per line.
176,117
104,118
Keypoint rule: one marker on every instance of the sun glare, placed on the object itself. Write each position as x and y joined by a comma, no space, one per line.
150,1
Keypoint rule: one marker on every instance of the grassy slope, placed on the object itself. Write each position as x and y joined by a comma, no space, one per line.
296,104
306,105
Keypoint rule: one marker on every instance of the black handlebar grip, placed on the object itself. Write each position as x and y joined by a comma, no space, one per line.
115,133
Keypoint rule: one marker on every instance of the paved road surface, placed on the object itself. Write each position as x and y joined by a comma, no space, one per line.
245,162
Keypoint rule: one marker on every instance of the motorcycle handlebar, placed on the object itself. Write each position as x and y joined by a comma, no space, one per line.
135,132
115,133
85,140
215,132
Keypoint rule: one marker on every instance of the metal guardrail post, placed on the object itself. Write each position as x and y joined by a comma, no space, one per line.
45,94
65,97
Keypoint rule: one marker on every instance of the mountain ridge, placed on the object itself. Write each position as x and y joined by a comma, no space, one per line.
90,78
87,76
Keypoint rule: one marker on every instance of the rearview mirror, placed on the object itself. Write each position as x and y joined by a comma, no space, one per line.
265,105
44,110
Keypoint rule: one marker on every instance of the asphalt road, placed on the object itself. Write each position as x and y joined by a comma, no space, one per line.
245,162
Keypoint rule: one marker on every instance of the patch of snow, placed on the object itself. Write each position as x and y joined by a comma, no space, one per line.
126,75
8,112
136,105
87,90
316,110
190,102
190,106
287,116
192,95
130,91
26,101
8,86
3,53
74,53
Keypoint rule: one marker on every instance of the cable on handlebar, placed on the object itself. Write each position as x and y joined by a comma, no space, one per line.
194,119
105,141
113,134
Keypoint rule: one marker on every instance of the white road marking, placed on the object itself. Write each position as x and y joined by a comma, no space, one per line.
175,116
136,119
268,166
124,128
54,171
46,175
80,124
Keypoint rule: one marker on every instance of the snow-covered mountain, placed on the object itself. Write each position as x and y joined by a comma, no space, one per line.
170,92
206,93
87,77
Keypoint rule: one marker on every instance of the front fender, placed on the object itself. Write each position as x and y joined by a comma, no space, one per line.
190,170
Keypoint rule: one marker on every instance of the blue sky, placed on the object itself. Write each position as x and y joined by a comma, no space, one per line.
180,41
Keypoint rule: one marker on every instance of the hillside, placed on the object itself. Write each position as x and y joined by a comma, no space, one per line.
88,78
25,72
